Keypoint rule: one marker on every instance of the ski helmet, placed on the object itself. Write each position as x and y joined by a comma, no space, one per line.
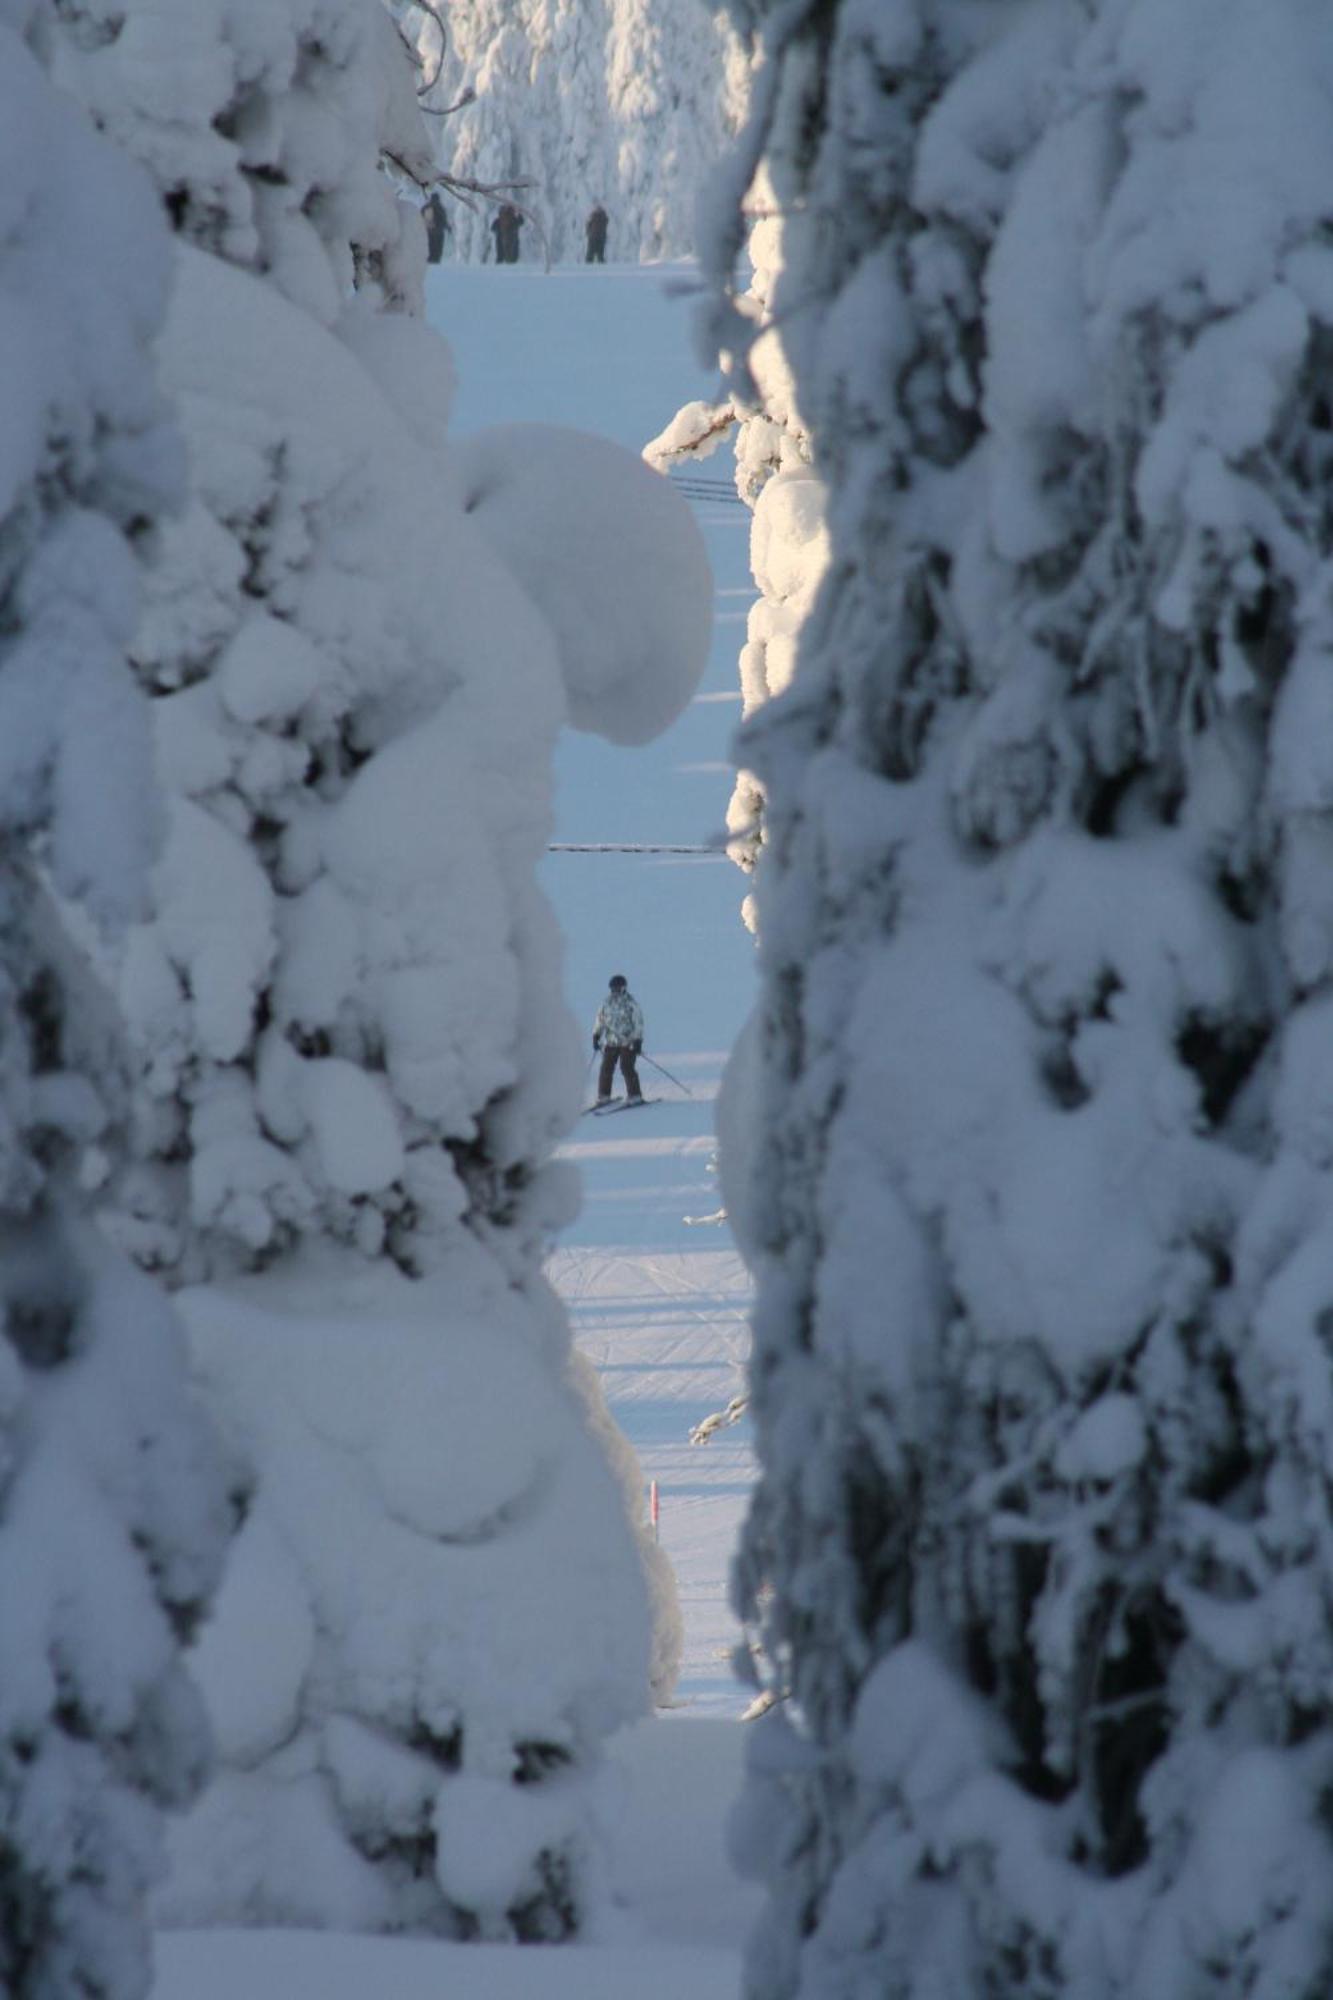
618,982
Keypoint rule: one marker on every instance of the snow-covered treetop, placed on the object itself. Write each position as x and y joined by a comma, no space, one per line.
265,124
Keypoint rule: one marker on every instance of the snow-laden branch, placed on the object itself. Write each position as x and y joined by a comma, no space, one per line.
694,432
469,96
434,16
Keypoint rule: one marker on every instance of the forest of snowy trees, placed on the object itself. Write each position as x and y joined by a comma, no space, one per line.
1037,1184
624,103
323,1582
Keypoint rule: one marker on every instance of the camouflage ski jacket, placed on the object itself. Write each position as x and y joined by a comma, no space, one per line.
619,1020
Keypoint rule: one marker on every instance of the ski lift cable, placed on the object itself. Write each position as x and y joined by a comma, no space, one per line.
692,487
632,847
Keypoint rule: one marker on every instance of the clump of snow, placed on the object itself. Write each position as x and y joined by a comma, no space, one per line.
110,1542
612,558
488,1858
788,542
354,790
262,127
431,1561
789,553
696,431
84,416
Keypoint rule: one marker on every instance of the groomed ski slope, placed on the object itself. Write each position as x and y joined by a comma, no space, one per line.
657,1292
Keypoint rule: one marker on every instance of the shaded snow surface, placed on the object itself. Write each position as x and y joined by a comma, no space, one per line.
658,1300
219,1965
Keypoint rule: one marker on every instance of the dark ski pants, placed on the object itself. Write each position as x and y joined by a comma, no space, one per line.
625,1057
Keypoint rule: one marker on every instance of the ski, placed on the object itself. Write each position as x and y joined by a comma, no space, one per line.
616,1104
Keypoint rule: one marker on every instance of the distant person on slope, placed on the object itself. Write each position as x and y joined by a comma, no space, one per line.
618,1033
596,235
437,228
505,230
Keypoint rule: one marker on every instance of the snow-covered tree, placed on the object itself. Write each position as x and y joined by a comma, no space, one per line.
265,129
622,102
1039,1194
361,641
112,1508
761,420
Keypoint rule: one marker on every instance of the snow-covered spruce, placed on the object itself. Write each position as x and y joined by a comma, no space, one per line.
774,477
1039,1199
112,1508
622,102
353,1066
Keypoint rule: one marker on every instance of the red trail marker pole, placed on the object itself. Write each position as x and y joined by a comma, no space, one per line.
654,1509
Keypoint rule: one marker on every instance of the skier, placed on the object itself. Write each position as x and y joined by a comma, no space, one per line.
618,1033
596,235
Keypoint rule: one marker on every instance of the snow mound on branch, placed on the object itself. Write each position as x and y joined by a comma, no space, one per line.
395,742
83,429
431,1540
789,553
612,558
262,126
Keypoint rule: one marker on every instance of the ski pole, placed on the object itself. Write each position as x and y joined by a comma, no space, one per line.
667,1074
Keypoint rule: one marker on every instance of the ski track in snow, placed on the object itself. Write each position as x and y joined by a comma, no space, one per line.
660,1308
658,1301
666,1330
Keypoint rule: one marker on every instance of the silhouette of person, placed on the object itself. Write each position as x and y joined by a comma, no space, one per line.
505,229
596,235
437,228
